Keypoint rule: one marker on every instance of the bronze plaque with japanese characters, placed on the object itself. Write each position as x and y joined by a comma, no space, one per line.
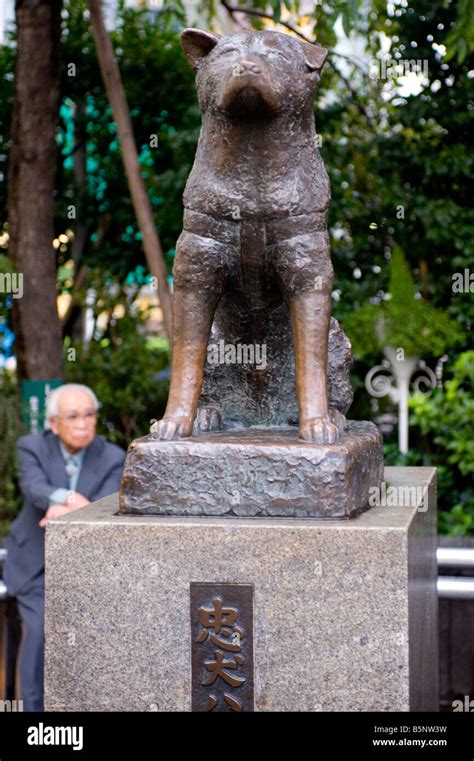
222,647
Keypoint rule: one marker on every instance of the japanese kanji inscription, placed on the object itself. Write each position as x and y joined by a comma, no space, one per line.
222,647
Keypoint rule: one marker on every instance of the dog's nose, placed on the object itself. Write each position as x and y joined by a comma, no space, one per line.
247,67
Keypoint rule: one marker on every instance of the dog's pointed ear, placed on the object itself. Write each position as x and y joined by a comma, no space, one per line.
197,45
315,55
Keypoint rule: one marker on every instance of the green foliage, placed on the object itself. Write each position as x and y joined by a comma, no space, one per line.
120,364
460,40
449,415
403,321
7,80
459,521
402,287
414,157
6,264
447,420
10,430
6,267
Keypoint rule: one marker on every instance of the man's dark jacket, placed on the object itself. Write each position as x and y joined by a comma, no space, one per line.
41,471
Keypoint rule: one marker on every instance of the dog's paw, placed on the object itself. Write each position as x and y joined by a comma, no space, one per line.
207,419
339,420
173,427
319,430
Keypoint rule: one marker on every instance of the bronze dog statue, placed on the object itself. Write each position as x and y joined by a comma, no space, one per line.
253,260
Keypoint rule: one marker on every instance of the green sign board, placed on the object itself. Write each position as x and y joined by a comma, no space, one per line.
33,402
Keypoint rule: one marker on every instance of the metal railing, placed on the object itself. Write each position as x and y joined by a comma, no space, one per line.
455,587
455,557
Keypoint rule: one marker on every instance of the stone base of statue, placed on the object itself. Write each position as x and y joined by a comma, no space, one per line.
180,613
254,471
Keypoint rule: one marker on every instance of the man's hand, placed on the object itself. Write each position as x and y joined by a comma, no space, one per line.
74,501
53,511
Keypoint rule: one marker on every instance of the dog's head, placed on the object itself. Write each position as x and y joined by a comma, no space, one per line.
249,75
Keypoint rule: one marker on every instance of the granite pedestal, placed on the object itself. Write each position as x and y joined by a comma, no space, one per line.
344,612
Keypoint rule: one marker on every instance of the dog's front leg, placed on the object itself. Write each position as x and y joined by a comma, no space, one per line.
310,315
199,280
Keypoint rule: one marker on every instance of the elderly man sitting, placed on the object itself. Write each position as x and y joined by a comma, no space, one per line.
60,470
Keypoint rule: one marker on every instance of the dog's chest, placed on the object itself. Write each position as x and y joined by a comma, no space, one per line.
254,271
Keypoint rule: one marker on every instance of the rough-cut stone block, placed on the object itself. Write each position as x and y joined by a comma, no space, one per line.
344,612
266,472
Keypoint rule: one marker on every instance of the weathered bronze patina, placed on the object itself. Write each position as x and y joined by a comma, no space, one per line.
253,339
254,253
257,472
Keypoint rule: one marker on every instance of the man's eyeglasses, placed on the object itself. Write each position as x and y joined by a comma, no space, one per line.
73,417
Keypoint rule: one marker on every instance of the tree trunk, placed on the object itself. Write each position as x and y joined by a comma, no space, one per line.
38,334
140,200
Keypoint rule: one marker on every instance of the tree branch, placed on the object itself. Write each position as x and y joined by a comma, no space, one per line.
138,192
231,9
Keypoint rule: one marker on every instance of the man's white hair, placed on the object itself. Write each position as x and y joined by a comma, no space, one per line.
52,402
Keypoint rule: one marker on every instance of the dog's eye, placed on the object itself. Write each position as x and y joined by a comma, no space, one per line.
228,50
279,53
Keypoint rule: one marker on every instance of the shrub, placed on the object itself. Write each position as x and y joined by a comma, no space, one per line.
447,419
